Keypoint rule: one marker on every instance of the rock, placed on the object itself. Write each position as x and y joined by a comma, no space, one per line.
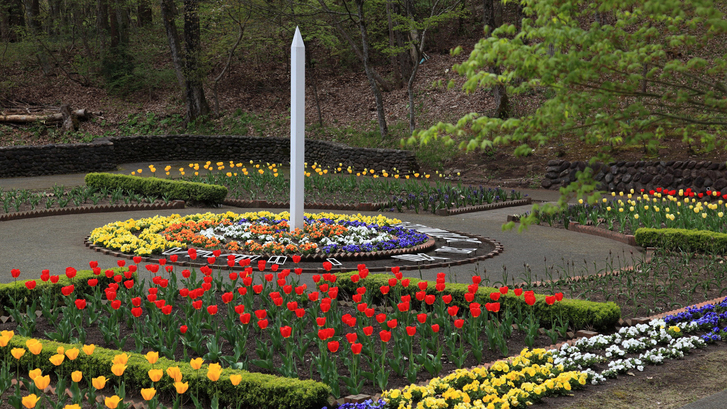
698,182
720,184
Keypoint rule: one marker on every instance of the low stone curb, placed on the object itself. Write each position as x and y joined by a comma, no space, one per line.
595,231
482,207
361,207
175,204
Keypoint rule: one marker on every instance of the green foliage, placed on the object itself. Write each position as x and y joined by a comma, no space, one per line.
682,240
636,77
117,69
171,189
579,313
255,389
17,290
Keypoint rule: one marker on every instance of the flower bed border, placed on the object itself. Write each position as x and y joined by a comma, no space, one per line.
322,257
174,204
629,239
362,207
488,206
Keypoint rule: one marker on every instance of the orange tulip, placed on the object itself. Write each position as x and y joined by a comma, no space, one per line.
18,353
72,353
213,372
152,357
99,383
88,349
112,402
57,359
148,393
174,373
76,376
235,379
42,382
196,363
155,374
118,369
30,401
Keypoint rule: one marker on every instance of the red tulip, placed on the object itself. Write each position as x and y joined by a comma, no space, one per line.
504,290
495,296
361,290
30,284
92,282
369,312
440,287
368,330
110,294
452,311
212,309
54,279
423,285
137,259
380,318
352,337
227,297
411,331
529,299
257,289
333,346
136,312
80,303
327,265
192,253
458,323
186,273
469,297
296,258
66,290
245,318
323,288
160,303
356,348
392,282
262,324
325,307
118,278
70,272
136,301
261,265
429,299
559,296
422,318
550,299
403,307
167,309
447,298
197,304
435,327
385,336
121,263
130,283
475,312
260,314
392,323
518,291
183,329
45,275
286,331
313,296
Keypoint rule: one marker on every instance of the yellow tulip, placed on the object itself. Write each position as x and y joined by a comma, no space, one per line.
148,393
155,374
7,336
57,359
74,406
88,349
30,401
181,387
120,359
34,346
118,369
174,373
76,376
4,341
99,383
35,372
72,353
112,402
235,379
60,350
196,363
42,382
152,357
213,372
18,352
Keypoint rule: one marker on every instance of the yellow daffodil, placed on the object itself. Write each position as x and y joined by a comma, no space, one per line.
213,372
148,393
99,383
112,402
30,401
175,373
181,387
196,363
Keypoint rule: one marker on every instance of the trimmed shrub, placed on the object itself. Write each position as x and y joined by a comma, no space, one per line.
151,186
682,239
256,390
579,313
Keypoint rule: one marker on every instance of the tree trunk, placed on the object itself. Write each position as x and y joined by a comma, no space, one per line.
114,25
196,103
398,78
11,16
488,15
502,102
168,15
312,71
369,72
102,22
144,13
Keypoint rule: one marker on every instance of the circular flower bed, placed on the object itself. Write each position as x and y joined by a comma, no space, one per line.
257,233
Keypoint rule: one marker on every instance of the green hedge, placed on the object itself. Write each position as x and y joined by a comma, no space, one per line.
580,314
682,239
151,186
16,290
254,391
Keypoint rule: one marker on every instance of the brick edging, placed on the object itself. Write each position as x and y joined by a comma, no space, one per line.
482,207
175,204
595,231
362,207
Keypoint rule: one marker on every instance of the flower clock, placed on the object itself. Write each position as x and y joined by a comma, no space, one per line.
257,233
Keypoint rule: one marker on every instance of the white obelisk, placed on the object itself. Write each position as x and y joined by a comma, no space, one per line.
297,130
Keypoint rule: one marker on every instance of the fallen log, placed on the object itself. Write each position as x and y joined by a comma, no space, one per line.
56,117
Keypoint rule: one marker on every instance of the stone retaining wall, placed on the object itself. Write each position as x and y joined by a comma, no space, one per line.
106,153
624,176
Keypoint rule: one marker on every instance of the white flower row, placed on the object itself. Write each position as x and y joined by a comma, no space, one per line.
613,348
